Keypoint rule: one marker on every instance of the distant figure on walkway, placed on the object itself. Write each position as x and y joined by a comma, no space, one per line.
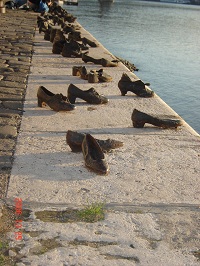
43,6
35,5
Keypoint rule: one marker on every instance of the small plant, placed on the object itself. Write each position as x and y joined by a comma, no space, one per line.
92,213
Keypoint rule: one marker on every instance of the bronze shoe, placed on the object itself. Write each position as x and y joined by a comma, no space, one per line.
56,102
102,76
80,71
76,70
140,118
74,140
107,63
93,155
84,73
93,77
90,96
86,58
89,42
100,61
71,48
138,87
53,30
75,35
47,35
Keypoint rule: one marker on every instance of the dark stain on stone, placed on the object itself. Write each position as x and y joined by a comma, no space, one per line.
120,257
93,244
44,245
67,216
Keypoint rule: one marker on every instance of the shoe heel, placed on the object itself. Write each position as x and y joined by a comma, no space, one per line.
75,148
138,124
39,102
123,92
85,60
71,99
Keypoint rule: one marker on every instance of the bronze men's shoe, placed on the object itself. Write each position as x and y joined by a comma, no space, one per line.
86,58
58,43
90,96
74,140
71,48
107,63
140,118
95,76
102,76
89,42
101,61
56,102
138,87
93,155
53,32
58,46
75,35
67,27
47,35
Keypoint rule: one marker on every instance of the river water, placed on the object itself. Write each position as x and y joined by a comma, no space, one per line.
161,39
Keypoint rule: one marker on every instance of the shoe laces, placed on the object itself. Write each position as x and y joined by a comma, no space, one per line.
92,90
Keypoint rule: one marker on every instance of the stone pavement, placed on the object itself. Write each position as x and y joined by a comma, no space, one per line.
151,192
16,44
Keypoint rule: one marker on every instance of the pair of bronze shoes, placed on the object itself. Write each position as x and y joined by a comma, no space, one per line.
139,119
93,149
93,76
72,48
90,96
57,102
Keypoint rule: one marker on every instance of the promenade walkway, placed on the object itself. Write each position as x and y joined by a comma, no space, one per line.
151,193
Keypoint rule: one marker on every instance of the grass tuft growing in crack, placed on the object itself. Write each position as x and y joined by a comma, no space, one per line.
92,213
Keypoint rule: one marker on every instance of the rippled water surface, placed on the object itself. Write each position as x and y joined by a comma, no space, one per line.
161,39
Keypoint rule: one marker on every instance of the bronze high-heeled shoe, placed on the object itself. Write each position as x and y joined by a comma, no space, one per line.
93,155
56,102
140,118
